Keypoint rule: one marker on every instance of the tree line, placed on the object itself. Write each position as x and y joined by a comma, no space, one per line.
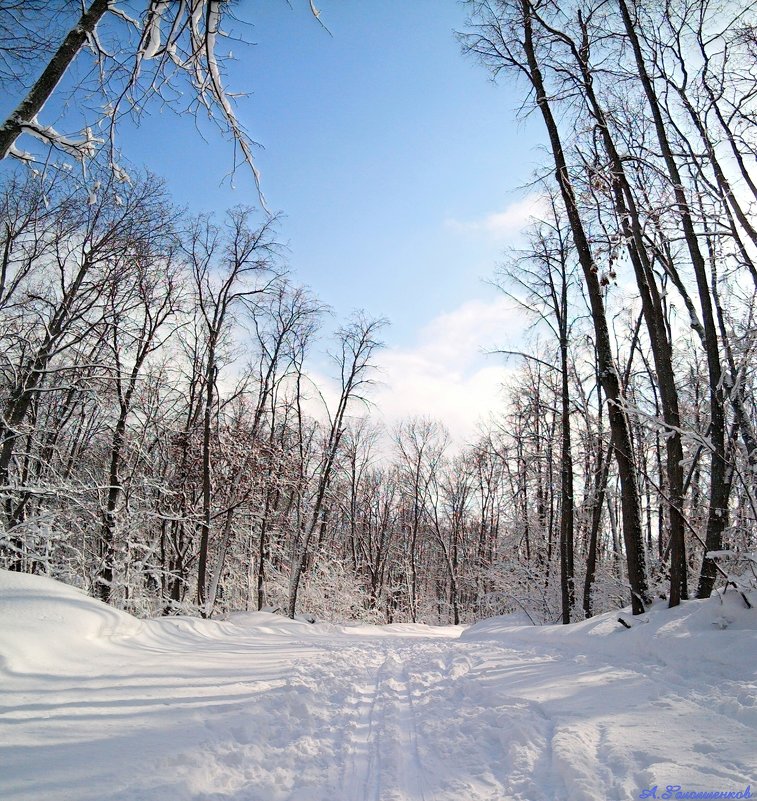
163,443
649,113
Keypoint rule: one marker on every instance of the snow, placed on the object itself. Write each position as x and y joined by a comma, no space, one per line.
152,38
95,704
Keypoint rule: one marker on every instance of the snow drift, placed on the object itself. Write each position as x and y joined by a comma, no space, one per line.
96,705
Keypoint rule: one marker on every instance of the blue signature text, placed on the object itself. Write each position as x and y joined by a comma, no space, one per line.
676,791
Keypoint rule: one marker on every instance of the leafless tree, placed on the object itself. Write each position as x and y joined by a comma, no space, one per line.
358,343
232,266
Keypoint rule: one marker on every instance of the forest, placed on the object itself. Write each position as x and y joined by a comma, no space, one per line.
165,443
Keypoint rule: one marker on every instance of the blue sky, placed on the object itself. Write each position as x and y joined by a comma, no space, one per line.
397,165
377,138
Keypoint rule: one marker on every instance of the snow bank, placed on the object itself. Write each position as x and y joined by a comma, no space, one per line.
46,622
274,623
717,635
722,612
403,630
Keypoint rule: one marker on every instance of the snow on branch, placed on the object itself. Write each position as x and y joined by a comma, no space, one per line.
181,39
177,43
80,149
21,155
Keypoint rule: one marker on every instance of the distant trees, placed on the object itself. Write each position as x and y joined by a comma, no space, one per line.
357,342
67,255
142,309
420,444
231,267
545,274
158,444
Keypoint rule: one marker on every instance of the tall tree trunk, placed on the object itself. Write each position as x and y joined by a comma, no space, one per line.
207,480
599,492
567,573
608,374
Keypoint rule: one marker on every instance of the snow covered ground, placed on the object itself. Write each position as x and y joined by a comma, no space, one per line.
97,706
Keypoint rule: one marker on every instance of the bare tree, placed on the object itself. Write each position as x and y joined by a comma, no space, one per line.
231,266
137,317
421,443
284,327
357,344
507,36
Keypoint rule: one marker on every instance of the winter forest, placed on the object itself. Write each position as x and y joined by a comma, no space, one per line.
167,444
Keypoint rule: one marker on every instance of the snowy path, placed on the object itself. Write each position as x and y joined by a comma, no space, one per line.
417,730
95,706
380,750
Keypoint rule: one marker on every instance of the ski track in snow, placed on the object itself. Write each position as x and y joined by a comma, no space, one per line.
380,753
99,707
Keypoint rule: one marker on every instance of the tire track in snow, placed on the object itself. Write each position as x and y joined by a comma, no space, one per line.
480,742
383,721
422,728
403,775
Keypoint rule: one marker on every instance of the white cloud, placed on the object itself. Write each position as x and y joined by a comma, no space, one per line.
505,224
446,374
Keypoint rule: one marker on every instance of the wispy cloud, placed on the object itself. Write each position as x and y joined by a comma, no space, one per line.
504,224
